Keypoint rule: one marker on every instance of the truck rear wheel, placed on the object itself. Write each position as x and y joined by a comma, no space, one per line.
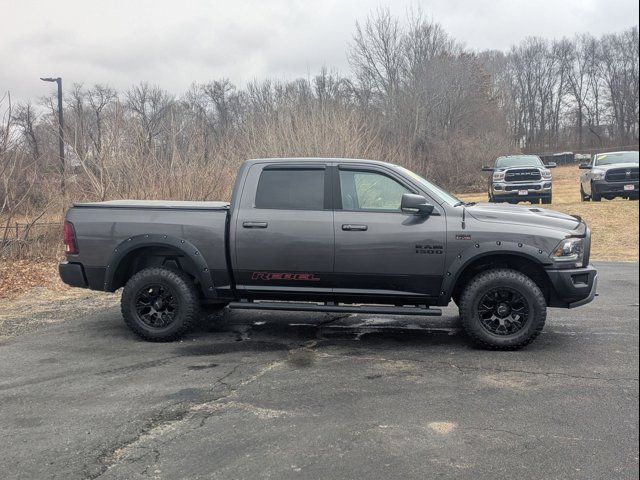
159,304
502,309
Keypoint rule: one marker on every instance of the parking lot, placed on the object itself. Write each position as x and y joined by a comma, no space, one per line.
318,396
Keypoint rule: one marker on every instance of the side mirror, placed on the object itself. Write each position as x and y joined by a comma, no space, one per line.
585,166
551,165
487,169
416,204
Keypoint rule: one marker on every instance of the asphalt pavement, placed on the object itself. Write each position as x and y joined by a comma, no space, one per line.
297,396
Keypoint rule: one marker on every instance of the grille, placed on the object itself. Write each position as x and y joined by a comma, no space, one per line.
523,175
620,174
511,188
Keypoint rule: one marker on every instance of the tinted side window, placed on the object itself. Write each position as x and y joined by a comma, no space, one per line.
291,189
370,191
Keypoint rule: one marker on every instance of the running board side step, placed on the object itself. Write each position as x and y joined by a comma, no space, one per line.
335,308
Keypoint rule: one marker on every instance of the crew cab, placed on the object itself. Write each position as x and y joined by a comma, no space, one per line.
520,178
332,235
610,175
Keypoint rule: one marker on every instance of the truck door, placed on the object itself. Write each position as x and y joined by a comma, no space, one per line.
379,249
284,229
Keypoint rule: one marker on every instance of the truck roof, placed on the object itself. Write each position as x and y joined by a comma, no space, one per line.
318,159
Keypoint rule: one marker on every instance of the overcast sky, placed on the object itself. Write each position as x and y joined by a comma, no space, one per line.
175,43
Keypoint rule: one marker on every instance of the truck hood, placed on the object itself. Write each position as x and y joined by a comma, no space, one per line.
520,167
616,165
520,215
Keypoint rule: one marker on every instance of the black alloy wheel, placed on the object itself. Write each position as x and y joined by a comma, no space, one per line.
156,305
503,311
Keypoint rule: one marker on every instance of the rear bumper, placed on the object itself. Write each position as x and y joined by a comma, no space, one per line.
72,274
77,275
573,287
604,187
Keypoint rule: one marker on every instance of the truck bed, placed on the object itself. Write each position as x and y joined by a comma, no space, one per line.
108,231
156,204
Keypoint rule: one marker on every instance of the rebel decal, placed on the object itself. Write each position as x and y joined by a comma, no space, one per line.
463,236
270,276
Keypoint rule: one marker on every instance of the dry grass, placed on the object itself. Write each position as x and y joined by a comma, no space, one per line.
614,223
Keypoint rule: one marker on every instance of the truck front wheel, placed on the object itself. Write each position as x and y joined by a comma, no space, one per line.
160,304
502,309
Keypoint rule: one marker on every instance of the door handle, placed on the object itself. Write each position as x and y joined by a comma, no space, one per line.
255,224
354,228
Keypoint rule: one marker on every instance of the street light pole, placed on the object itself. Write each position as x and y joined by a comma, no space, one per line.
58,80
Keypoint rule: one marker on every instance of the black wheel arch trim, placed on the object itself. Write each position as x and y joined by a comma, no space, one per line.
466,257
159,240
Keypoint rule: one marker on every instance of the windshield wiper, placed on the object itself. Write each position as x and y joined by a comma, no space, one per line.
466,204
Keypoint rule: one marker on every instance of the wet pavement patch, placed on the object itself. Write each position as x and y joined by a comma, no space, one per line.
230,347
189,395
202,367
301,358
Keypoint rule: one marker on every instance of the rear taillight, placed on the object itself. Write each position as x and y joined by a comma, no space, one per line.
71,246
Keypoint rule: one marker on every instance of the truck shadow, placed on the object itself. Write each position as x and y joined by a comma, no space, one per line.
251,331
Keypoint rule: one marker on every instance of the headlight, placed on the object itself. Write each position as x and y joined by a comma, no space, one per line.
569,250
598,174
498,176
546,174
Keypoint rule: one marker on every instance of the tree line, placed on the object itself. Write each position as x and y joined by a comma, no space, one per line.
414,96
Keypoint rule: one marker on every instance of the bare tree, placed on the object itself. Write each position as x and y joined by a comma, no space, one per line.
26,119
377,54
149,105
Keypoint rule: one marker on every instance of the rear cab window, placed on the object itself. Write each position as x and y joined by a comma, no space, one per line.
291,189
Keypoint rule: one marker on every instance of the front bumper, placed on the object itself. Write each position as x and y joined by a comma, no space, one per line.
604,187
539,189
573,287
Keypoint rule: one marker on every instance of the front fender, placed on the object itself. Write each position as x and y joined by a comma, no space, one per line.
472,253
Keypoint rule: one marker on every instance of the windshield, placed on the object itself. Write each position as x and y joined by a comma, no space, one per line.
614,158
519,161
446,196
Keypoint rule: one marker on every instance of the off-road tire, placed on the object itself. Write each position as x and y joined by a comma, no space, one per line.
547,200
583,196
183,290
595,196
485,282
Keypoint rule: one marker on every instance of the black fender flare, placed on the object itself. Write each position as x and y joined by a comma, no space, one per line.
185,247
480,250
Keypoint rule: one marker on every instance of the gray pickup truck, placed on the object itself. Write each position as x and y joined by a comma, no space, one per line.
332,235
